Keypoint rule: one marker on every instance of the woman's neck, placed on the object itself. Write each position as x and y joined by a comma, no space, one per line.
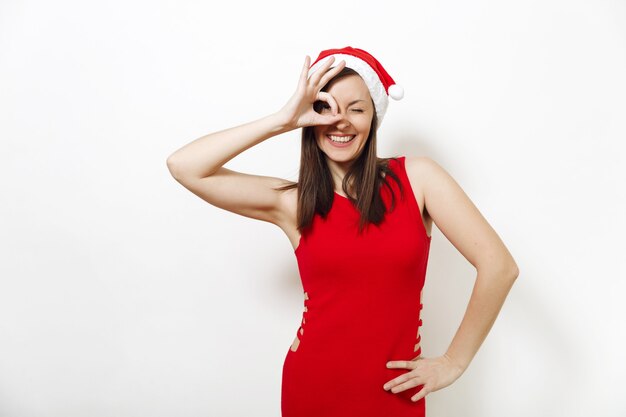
338,171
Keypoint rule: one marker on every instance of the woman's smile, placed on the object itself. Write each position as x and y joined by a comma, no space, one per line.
340,141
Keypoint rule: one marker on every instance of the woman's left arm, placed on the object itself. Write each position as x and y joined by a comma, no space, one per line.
464,226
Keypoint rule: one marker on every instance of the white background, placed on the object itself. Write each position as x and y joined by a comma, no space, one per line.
123,294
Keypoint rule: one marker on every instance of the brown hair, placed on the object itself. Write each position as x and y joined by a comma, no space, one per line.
315,185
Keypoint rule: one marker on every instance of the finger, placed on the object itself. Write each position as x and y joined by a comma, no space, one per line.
325,119
396,381
421,394
413,382
330,74
401,364
305,69
315,77
328,98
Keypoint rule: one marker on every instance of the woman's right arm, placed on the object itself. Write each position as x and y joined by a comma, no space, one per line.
198,165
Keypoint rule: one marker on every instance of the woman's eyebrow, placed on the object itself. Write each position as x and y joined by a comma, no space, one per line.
355,101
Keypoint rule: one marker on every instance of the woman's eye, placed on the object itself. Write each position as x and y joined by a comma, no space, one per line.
358,110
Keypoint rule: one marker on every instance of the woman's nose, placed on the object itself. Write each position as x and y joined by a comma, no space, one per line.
343,122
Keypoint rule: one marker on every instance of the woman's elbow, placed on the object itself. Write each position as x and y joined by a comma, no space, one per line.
512,270
515,271
503,270
508,267
174,168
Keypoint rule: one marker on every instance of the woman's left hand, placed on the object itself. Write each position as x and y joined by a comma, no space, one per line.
433,373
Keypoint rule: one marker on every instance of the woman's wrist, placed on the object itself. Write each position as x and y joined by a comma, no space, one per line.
455,363
281,123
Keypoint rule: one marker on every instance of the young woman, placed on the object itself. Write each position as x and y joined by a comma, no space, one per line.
360,227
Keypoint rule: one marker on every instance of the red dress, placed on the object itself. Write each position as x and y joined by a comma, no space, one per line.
362,306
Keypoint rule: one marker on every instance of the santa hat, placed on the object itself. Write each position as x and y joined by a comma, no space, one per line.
378,81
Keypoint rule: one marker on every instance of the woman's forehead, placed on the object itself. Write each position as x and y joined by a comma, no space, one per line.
350,88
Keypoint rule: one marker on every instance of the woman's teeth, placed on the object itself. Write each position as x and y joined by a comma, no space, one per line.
341,139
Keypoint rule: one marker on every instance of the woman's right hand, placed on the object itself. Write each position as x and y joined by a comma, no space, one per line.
299,111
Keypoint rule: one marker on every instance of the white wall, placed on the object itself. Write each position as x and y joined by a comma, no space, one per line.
123,294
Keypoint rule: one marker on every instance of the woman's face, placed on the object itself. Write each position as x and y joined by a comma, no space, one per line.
344,140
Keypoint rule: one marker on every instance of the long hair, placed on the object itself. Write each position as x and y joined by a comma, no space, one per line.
315,185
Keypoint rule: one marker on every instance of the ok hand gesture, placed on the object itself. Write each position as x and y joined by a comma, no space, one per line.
299,112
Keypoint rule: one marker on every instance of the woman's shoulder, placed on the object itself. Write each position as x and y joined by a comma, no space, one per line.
422,169
417,164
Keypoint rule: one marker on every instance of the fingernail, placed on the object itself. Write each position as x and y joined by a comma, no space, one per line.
385,387
388,364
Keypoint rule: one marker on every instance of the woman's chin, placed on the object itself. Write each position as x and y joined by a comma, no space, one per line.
340,157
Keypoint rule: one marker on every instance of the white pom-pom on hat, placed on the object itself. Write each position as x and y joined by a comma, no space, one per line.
396,92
